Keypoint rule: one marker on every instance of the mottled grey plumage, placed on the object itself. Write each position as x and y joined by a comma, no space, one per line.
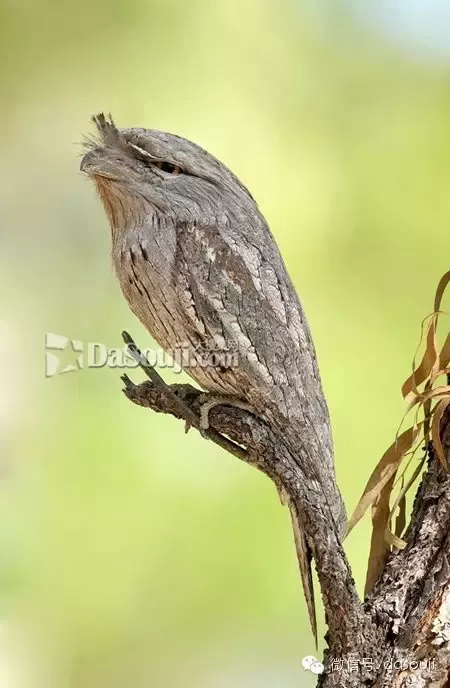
198,264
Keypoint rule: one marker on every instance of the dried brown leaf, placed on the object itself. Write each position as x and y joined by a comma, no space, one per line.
431,361
378,491
379,548
442,286
435,428
430,355
400,521
385,469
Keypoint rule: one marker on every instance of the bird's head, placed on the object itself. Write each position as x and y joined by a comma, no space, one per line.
148,171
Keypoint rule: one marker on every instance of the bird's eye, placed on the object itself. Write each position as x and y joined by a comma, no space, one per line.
168,167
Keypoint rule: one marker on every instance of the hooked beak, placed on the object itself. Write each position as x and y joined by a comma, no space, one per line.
97,163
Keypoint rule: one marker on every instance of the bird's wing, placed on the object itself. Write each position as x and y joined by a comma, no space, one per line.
236,293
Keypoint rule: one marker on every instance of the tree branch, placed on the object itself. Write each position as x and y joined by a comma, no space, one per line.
406,619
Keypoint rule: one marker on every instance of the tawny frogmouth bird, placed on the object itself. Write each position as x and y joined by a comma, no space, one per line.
198,265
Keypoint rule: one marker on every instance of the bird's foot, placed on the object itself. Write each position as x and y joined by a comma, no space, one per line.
210,401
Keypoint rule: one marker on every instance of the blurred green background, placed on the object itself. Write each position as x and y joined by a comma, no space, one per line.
132,554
